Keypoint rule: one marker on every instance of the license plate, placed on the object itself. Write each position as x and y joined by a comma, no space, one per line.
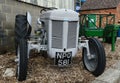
63,58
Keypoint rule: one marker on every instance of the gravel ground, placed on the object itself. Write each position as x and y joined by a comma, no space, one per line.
42,70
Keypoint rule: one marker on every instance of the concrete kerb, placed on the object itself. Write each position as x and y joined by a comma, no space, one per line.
111,75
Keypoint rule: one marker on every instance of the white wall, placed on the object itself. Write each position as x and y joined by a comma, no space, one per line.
68,4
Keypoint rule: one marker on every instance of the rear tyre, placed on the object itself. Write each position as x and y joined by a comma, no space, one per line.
20,29
22,33
21,70
97,63
21,26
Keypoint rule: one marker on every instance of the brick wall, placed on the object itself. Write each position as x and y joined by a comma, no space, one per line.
8,10
115,11
118,12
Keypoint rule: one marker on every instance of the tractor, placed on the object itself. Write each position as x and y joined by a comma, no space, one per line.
101,26
58,38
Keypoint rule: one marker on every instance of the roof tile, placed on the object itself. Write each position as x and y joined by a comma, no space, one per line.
99,4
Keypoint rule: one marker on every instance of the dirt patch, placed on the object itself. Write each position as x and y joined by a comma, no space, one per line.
42,70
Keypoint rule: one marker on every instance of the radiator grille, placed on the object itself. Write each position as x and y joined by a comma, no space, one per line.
72,32
57,34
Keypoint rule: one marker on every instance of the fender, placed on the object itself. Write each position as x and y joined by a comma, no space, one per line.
29,18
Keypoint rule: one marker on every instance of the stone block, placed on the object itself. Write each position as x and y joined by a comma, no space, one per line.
3,49
10,45
11,2
3,40
9,32
2,17
98,81
7,43
17,10
1,24
9,72
10,18
19,4
6,9
0,8
116,65
8,25
1,33
2,1
110,76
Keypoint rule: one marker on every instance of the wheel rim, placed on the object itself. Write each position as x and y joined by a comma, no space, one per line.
18,63
92,63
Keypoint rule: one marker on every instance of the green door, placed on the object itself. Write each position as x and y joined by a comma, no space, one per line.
92,21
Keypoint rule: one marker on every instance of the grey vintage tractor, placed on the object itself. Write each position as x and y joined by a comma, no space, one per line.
59,38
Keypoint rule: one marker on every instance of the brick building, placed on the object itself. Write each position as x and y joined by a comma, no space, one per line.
102,7
10,8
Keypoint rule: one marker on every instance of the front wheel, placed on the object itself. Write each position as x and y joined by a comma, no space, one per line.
97,63
22,60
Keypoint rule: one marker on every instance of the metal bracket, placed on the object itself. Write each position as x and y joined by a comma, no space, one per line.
38,46
85,44
29,18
